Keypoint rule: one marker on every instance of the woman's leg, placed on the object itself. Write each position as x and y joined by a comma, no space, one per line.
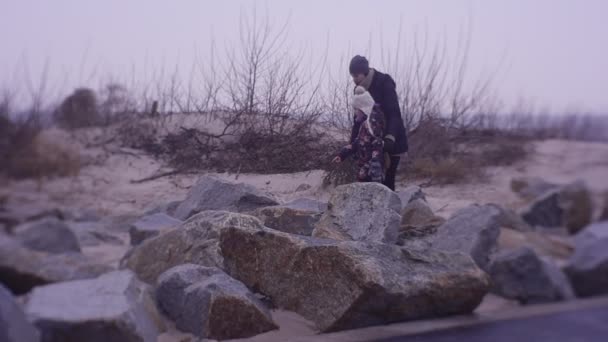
391,172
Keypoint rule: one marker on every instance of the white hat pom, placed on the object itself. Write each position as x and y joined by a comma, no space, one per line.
359,90
363,100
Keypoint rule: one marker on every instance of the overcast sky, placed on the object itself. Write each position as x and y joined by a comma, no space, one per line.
553,52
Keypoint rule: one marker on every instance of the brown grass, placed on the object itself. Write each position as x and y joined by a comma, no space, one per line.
441,155
26,153
44,158
443,171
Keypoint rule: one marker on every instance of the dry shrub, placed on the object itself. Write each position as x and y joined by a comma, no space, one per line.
504,152
339,174
300,149
137,133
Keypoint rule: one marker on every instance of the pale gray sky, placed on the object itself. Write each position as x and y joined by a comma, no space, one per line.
554,52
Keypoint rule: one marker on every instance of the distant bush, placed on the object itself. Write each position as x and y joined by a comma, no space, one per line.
78,110
24,153
43,158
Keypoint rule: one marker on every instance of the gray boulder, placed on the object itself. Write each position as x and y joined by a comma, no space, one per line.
113,307
81,215
21,268
473,230
288,220
522,275
545,245
411,193
361,212
205,301
351,284
588,268
150,226
510,219
196,241
93,234
214,194
121,223
48,235
14,326
591,233
306,204
531,187
569,206
417,212
418,220
303,187
166,208
14,215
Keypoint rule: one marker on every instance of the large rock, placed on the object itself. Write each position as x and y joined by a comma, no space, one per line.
545,245
113,307
195,242
81,215
213,194
361,212
531,187
288,220
165,208
418,220
591,233
14,326
417,212
14,215
205,301
151,226
93,234
351,284
21,268
306,204
510,219
521,275
473,230
121,223
588,268
48,235
569,206
411,193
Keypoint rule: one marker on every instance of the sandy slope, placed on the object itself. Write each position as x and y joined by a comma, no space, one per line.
108,188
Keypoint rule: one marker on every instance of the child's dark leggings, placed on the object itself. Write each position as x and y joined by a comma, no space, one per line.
391,173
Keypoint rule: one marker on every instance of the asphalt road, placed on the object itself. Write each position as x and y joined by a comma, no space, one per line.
584,325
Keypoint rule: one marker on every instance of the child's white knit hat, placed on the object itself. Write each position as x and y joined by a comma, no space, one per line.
363,100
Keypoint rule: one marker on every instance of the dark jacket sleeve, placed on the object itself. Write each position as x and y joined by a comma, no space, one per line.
355,130
347,151
391,108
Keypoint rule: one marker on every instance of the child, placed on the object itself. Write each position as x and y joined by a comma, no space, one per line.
367,139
